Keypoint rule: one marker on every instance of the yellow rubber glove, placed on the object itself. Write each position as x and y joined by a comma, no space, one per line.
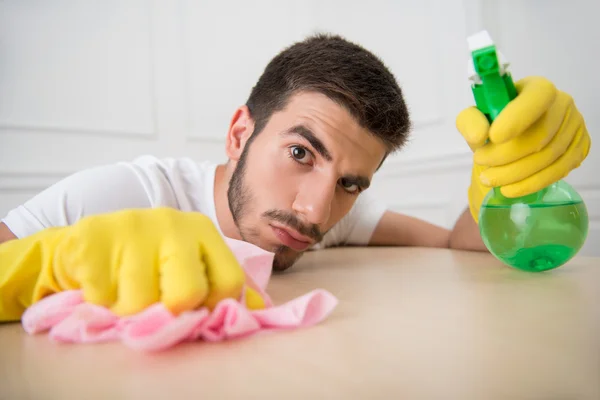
126,261
537,139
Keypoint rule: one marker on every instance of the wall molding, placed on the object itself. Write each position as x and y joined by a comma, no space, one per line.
396,168
14,181
150,134
7,128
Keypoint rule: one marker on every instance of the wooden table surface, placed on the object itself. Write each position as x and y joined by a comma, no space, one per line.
411,324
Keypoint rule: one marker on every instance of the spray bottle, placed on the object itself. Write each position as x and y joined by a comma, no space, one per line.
536,232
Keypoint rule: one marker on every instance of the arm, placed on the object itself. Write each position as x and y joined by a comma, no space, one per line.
465,235
91,191
371,223
5,233
395,229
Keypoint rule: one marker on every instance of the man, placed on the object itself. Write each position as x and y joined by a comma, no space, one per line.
301,152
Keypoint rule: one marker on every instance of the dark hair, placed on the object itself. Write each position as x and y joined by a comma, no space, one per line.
345,72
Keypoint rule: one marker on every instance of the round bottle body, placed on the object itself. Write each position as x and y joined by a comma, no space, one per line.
534,233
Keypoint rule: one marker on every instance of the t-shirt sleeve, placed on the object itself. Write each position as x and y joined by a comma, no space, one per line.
357,227
91,191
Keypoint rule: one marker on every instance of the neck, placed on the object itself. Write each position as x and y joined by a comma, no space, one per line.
224,217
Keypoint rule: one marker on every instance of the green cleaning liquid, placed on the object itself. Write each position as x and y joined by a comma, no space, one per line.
535,234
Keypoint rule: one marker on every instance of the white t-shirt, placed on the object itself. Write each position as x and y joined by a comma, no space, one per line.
151,182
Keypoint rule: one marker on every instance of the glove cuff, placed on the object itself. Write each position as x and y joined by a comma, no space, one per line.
477,192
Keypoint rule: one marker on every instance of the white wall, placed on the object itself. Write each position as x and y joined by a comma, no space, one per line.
87,83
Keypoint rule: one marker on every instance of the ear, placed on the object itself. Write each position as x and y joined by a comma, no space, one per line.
240,130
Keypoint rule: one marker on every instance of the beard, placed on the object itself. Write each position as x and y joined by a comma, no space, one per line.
241,199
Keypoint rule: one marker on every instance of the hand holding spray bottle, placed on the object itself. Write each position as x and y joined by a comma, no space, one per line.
536,232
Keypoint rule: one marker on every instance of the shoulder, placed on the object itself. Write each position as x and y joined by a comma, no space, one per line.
168,167
180,182
146,181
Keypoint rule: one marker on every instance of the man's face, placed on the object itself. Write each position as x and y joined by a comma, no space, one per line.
300,176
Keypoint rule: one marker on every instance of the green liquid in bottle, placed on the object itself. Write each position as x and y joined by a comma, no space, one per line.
535,234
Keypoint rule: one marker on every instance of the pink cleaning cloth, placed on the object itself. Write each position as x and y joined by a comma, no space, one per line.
68,318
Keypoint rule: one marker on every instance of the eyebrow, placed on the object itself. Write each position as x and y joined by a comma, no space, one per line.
360,181
317,144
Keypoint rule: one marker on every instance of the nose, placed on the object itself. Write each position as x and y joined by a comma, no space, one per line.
314,199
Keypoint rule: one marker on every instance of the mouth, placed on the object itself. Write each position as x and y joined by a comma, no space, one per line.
291,238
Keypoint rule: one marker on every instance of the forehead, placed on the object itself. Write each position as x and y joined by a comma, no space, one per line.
331,123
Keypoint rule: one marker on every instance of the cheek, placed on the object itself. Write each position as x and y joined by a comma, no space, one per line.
342,204
274,179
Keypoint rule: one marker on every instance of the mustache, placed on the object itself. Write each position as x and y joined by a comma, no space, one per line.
292,221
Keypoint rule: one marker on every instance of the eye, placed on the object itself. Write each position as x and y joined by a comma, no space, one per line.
300,154
349,186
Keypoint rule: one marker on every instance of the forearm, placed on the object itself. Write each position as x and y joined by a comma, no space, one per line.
465,234
5,233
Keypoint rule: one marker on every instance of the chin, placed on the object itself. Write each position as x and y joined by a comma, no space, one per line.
285,260
285,257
